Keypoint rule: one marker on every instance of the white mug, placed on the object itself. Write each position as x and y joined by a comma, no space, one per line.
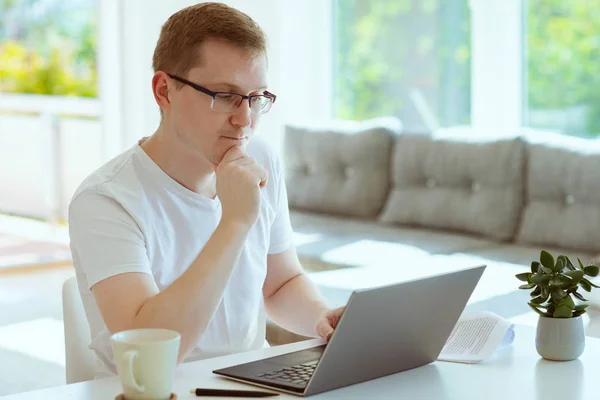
146,360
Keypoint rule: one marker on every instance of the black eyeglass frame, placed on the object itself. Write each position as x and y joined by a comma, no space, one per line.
212,94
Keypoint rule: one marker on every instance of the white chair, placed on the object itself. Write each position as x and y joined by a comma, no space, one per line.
80,360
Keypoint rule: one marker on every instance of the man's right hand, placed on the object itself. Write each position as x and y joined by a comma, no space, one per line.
239,180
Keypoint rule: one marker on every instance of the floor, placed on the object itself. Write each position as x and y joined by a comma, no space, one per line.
31,329
26,243
34,262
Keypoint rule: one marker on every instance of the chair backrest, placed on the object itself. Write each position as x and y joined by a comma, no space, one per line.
80,360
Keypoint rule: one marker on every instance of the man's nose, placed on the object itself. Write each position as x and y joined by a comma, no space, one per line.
242,115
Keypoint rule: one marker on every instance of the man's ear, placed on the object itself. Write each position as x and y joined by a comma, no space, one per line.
161,83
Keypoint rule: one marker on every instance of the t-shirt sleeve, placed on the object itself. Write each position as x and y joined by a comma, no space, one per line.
282,235
105,239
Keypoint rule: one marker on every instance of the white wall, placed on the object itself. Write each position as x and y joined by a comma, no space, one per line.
23,162
27,172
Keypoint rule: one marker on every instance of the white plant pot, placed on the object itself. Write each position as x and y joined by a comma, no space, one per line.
560,339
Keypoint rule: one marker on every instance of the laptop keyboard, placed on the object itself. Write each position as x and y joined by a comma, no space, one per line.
298,374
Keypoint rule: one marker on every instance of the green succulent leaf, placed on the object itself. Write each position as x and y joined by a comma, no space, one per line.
562,312
579,296
591,270
559,266
563,258
541,280
557,294
556,281
534,266
567,281
546,259
580,263
581,307
567,301
535,308
578,313
576,275
536,292
590,283
528,286
567,277
545,292
585,285
524,276
538,300
570,265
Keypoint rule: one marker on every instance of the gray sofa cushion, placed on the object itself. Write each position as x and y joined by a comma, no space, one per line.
563,197
466,183
343,168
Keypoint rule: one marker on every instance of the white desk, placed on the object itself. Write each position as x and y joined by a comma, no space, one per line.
516,373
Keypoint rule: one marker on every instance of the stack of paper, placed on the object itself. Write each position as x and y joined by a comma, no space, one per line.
476,337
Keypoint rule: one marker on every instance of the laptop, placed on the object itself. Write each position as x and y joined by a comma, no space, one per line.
383,331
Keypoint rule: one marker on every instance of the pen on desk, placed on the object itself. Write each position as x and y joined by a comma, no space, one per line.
231,393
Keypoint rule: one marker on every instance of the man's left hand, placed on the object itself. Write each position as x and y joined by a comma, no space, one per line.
328,322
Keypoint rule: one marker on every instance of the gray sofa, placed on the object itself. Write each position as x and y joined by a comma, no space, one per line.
367,194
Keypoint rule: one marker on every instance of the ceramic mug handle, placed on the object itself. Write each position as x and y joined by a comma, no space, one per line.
128,378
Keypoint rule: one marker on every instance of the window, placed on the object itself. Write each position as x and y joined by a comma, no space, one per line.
406,58
562,48
48,47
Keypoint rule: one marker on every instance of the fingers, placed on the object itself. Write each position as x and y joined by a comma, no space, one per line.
233,154
324,329
264,177
260,173
238,158
328,336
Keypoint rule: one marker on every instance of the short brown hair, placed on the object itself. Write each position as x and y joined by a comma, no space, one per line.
181,36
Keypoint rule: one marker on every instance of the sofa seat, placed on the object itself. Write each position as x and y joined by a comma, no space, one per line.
524,255
326,242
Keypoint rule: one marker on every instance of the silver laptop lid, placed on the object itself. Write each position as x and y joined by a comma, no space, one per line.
393,328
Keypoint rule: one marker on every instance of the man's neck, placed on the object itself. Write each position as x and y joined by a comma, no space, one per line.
180,163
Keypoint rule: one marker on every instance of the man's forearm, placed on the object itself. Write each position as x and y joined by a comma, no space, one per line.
297,306
188,304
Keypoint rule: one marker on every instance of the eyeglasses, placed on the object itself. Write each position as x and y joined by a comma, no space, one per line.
228,102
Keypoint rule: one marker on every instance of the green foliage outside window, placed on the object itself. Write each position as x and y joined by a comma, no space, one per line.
371,37
563,47
48,47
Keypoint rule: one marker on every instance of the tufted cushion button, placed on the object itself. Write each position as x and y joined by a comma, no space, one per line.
475,187
430,183
569,200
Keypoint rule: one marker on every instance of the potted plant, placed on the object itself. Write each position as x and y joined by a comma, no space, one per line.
555,284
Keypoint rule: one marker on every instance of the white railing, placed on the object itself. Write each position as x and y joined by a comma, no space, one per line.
47,142
50,105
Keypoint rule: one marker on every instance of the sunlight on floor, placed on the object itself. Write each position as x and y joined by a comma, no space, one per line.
42,339
306,238
374,253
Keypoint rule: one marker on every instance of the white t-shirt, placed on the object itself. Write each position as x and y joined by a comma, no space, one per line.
130,216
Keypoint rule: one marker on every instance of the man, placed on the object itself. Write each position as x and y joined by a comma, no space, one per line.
189,230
